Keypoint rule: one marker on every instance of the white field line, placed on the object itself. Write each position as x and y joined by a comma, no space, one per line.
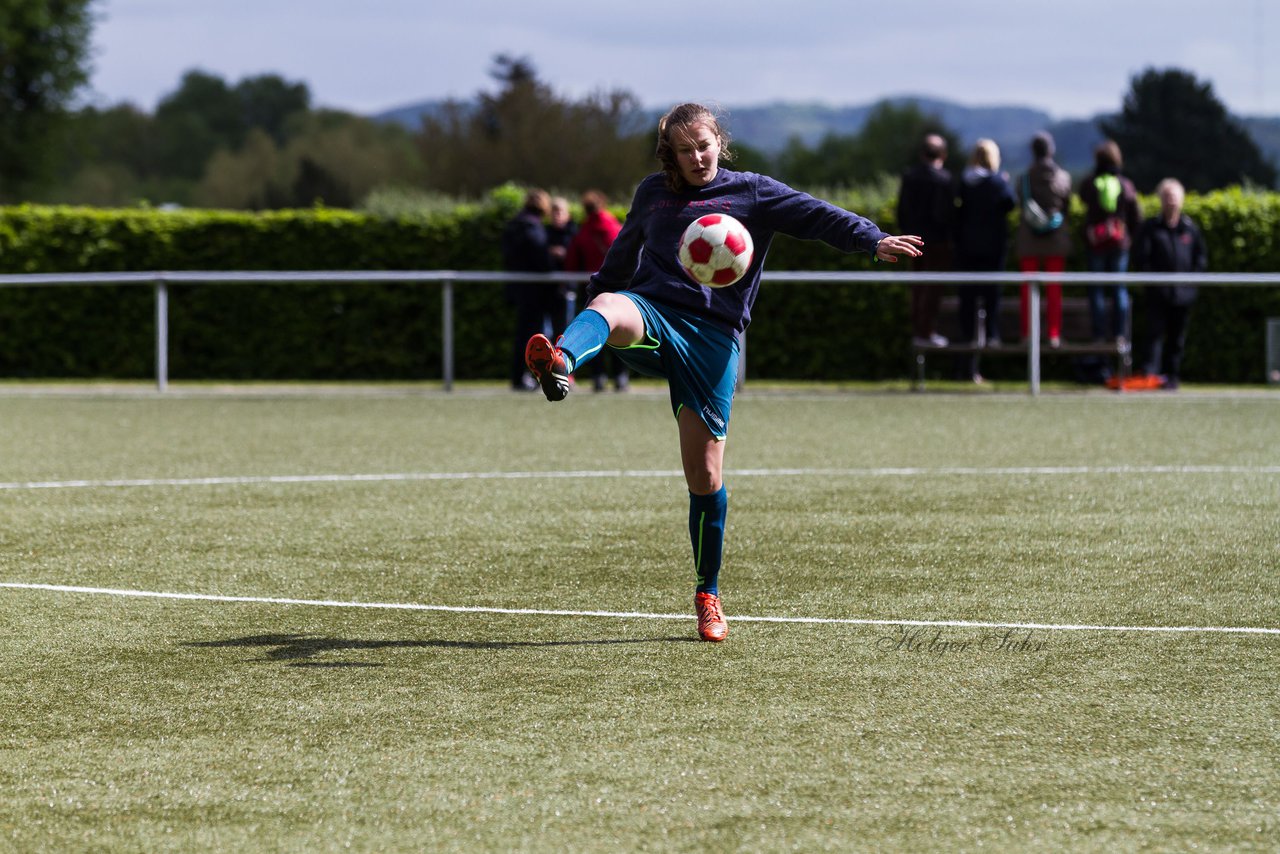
636,615
390,477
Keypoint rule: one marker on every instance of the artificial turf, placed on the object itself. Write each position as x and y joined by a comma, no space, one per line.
138,723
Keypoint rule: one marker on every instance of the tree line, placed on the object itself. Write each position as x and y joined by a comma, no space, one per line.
260,143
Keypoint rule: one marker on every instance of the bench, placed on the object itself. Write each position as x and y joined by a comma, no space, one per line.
1077,336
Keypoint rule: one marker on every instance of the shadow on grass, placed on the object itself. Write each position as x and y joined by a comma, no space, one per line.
296,650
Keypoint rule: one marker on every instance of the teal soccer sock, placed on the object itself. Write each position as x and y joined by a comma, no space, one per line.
584,338
706,532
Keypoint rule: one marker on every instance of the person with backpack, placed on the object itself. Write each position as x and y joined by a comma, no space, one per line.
1112,215
1043,241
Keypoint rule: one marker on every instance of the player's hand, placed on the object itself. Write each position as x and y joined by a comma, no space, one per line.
892,246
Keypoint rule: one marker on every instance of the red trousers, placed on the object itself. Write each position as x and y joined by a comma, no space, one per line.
1052,293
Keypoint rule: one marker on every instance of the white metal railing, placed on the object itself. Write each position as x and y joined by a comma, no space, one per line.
160,281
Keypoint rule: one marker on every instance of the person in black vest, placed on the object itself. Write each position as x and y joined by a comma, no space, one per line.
525,250
560,231
982,244
926,207
1169,243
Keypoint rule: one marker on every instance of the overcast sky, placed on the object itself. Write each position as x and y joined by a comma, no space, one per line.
1072,58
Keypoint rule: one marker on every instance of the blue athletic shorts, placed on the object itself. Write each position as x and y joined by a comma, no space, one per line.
698,360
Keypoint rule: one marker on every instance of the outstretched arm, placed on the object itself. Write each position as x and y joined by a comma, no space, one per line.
894,245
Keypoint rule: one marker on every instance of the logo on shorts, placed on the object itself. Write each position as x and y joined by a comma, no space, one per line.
713,418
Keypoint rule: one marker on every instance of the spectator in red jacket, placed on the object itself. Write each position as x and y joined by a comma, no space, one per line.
585,254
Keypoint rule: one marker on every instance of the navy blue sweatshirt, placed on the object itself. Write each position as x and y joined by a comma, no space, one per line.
643,258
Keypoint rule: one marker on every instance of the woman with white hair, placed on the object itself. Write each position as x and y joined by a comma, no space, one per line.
1169,243
982,244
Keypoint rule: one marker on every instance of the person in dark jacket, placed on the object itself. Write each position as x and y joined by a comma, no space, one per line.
1169,243
586,254
1112,215
560,231
926,207
661,322
525,250
982,244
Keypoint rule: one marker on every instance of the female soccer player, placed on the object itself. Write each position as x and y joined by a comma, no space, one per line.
663,324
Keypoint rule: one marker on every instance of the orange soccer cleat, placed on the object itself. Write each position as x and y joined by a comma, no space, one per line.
711,622
548,366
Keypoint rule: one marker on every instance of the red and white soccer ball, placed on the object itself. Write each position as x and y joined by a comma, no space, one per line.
716,250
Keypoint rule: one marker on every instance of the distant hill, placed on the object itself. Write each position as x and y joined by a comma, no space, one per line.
411,115
771,126
768,127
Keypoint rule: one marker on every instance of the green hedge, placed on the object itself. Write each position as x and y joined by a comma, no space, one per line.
376,331
246,331
863,331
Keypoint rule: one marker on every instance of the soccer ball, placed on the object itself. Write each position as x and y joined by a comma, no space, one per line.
716,250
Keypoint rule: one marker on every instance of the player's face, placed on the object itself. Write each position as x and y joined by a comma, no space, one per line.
697,153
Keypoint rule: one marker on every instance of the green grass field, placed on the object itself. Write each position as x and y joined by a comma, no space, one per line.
142,723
